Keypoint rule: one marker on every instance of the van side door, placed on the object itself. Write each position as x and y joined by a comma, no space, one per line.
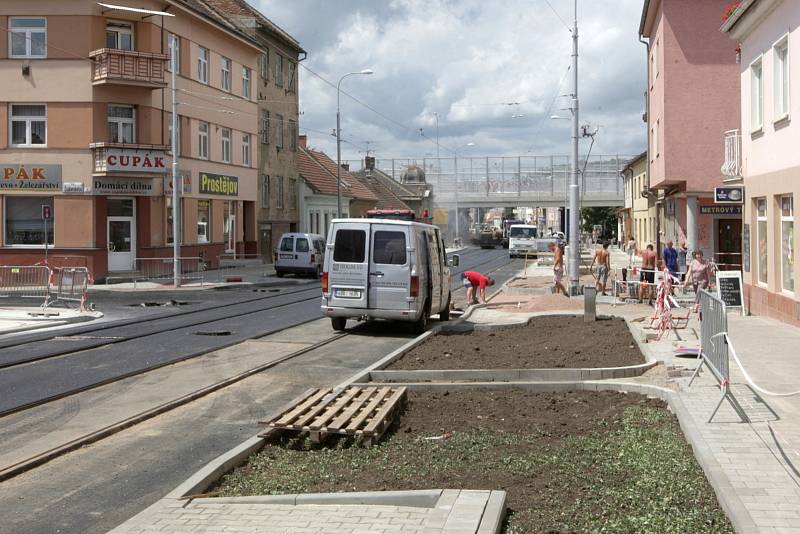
435,262
390,267
347,265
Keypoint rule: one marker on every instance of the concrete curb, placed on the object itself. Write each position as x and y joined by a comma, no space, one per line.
411,498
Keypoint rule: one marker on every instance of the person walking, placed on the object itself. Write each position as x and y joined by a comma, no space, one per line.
698,274
682,252
648,276
670,256
476,281
558,268
631,250
602,258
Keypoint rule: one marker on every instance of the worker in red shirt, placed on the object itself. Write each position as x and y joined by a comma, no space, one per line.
473,280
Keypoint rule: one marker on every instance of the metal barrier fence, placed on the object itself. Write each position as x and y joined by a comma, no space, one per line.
31,281
72,284
231,262
161,270
714,349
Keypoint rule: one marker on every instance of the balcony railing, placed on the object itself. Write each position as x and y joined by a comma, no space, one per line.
128,67
732,167
123,159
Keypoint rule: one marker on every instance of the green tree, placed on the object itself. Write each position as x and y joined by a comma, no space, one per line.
606,217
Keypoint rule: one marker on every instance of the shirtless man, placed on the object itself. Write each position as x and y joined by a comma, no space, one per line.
648,278
558,268
602,258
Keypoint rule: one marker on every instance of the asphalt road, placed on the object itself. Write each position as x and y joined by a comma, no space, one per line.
100,486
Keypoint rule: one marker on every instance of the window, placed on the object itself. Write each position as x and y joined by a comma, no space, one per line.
202,140
226,145
279,131
177,135
245,82
226,74
756,96
292,135
24,225
28,124
350,245
265,127
263,65
121,124
301,245
279,192
292,74
787,243
202,64
265,191
292,194
174,50
279,70
761,229
287,244
27,37
389,248
229,225
246,150
119,35
780,54
203,218
655,138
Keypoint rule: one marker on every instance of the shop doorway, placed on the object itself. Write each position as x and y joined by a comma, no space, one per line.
265,239
729,244
121,232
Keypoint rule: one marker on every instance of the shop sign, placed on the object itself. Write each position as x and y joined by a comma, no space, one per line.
729,195
124,186
186,183
73,188
720,210
31,177
217,184
127,160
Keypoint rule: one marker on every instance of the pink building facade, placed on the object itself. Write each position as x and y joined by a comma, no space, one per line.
693,99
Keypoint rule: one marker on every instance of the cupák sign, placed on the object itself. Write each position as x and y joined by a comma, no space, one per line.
30,177
126,160
217,184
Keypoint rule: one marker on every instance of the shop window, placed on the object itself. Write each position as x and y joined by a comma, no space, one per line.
121,124
226,145
28,124
27,37
203,221
226,74
119,207
229,225
119,35
23,221
761,230
202,140
787,243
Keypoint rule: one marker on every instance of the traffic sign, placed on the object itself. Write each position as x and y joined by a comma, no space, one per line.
47,212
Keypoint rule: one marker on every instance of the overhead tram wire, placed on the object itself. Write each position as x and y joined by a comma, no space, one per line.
557,15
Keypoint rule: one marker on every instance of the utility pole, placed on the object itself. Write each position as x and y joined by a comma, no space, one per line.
339,139
176,181
574,215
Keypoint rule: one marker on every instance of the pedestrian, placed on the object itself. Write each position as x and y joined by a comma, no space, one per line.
558,268
698,274
602,258
631,250
474,280
682,252
670,256
648,276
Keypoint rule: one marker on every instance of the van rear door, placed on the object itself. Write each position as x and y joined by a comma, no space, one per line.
389,268
348,265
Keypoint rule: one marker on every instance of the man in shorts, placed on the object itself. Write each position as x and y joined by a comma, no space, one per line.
648,277
558,268
602,258
474,280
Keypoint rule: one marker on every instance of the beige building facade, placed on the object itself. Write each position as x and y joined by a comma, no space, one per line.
85,130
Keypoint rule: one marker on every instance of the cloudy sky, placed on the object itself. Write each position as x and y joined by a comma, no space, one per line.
467,60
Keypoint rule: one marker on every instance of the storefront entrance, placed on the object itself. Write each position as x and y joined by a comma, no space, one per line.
121,227
729,244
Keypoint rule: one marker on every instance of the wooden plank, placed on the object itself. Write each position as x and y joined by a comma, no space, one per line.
342,401
298,411
358,402
385,410
277,414
315,411
355,424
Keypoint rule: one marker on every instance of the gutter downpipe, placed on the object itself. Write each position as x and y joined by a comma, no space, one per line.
646,43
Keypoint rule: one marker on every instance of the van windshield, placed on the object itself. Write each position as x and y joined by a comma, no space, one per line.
287,244
389,248
350,246
523,233
301,245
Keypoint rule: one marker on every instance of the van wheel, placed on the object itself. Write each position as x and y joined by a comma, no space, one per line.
338,323
444,315
418,327
278,273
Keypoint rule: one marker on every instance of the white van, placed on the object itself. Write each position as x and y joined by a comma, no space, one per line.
385,269
300,254
522,240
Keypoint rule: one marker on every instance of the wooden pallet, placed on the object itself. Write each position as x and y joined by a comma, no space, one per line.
359,411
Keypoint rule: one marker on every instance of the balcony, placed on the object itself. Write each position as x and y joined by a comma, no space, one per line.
732,167
122,159
128,67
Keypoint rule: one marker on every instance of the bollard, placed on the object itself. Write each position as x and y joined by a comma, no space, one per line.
589,304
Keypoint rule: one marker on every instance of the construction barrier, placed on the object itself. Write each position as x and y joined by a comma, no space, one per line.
72,285
161,270
25,281
228,264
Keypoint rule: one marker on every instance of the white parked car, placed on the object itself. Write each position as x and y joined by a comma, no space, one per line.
300,254
385,269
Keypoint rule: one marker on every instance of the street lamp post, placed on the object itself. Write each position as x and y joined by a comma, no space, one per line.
339,139
176,206
574,216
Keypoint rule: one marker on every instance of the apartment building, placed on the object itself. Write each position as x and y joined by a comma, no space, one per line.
641,221
85,128
767,33
692,94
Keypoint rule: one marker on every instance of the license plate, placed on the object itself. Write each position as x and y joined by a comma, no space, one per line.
347,293
286,256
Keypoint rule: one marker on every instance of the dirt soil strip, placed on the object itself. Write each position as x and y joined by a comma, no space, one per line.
570,462
546,343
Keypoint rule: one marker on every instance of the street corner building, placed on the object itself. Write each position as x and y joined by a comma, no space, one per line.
765,158
86,130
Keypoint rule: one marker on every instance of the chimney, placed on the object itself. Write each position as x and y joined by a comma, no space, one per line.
369,163
346,166
302,141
